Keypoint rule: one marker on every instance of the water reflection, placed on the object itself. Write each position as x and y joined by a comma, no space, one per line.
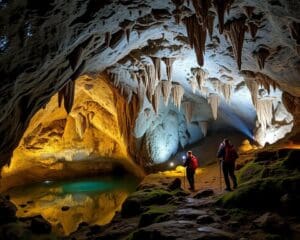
66,204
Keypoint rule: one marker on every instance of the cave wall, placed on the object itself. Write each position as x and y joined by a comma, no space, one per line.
44,47
94,131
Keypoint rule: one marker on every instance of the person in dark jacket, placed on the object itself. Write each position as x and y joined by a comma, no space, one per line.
229,155
191,163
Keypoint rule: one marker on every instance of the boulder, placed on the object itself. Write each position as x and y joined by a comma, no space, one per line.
189,213
205,193
7,211
271,222
39,225
175,184
205,219
215,233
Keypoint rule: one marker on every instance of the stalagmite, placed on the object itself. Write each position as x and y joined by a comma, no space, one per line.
107,38
156,99
221,6
169,66
214,101
157,66
235,30
261,55
252,26
197,37
204,126
188,107
226,90
166,89
253,88
264,110
249,11
177,93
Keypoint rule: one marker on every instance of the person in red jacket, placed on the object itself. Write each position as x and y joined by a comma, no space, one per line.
191,164
229,155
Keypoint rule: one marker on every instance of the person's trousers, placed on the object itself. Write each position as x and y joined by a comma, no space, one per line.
190,176
228,170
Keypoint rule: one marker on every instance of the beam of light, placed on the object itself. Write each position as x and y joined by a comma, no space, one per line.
234,120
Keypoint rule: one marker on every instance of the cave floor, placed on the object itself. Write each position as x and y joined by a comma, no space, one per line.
263,207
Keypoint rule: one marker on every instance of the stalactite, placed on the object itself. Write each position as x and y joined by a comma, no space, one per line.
226,90
197,36
156,99
252,26
221,6
249,11
264,111
75,57
204,126
230,2
177,93
261,55
210,24
216,84
107,39
214,101
157,66
200,76
194,84
67,94
204,91
188,108
235,29
166,89
263,82
253,88
201,8
169,66
152,82
127,32
141,93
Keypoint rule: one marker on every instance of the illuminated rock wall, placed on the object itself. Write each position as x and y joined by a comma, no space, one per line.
94,131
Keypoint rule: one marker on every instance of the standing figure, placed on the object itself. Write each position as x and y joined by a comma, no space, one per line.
229,155
191,164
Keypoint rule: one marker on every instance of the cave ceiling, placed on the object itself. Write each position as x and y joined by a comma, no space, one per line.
208,50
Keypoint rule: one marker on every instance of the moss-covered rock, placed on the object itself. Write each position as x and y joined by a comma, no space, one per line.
251,171
262,193
156,214
135,203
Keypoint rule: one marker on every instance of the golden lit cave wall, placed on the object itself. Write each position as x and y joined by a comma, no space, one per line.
97,129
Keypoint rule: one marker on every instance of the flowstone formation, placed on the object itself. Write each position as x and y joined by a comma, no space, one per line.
176,63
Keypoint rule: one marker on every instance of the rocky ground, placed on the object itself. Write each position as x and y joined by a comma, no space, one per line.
265,206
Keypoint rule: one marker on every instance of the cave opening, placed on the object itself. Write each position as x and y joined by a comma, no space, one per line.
102,100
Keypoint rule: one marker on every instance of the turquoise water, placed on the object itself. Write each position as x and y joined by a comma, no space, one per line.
91,200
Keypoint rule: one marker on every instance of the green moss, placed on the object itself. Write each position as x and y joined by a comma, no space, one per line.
251,171
156,214
152,196
262,192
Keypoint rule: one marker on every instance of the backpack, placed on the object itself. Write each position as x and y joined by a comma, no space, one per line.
194,163
230,154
